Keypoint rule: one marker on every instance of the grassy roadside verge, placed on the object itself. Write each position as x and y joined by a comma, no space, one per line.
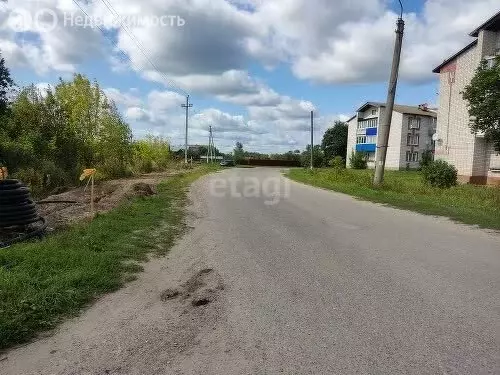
43,282
476,205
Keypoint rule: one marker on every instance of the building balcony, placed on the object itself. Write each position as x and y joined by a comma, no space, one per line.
366,147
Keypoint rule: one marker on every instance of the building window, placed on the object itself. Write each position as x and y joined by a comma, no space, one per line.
374,112
413,123
361,139
370,123
411,156
413,139
366,139
490,61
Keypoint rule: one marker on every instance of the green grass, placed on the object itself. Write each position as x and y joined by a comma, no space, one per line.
43,282
477,205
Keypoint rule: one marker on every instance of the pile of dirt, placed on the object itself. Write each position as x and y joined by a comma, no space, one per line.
67,206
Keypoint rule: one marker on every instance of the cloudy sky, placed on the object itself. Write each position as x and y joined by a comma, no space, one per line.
254,69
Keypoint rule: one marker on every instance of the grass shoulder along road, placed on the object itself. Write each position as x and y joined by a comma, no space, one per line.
43,282
469,204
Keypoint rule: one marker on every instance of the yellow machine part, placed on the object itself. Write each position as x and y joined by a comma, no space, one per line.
3,173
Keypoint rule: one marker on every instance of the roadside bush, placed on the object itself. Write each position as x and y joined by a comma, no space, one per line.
42,179
440,174
51,134
318,157
150,154
358,160
427,158
337,163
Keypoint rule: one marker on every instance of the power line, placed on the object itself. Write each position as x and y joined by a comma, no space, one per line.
114,44
140,46
125,55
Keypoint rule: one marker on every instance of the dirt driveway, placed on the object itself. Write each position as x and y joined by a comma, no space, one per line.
75,203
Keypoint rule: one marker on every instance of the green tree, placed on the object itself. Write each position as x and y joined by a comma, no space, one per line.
238,153
335,141
289,156
318,157
6,86
103,137
483,97
58,132
151,154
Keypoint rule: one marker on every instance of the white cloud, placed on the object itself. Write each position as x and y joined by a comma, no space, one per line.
357,44
349,42
128,99
232,86
280,128
46,43
164,100
137,114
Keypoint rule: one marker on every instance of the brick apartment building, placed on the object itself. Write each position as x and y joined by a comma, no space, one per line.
471,154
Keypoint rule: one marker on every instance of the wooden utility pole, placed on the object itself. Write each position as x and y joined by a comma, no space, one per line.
312,140
187,106
385,123
210,144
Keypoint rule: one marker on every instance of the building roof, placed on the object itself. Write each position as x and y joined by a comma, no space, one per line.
493,24
351,118
450,59
405,109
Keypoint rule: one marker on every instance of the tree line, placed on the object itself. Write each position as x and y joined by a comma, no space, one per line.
333,145
49,135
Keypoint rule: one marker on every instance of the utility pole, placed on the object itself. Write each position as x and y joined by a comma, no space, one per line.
213,145
312,139
210,140
208,148
187,106
385,123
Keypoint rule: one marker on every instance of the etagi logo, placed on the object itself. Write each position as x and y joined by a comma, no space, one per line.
43,20
272,189
46,20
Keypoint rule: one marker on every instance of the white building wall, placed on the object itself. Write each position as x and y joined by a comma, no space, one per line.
393,158
470,154
456,143
351,138
494,165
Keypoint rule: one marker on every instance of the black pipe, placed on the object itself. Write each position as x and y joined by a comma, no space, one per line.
18,212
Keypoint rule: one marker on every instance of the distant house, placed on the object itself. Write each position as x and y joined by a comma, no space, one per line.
474,158
411,134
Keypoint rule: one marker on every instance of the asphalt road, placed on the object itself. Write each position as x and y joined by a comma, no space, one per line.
314,283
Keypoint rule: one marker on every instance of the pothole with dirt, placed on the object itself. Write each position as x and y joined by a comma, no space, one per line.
199,290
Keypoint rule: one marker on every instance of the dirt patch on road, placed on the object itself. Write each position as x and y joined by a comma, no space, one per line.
200,289
74,204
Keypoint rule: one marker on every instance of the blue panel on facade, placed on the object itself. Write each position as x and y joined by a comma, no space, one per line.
366,147
371,131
